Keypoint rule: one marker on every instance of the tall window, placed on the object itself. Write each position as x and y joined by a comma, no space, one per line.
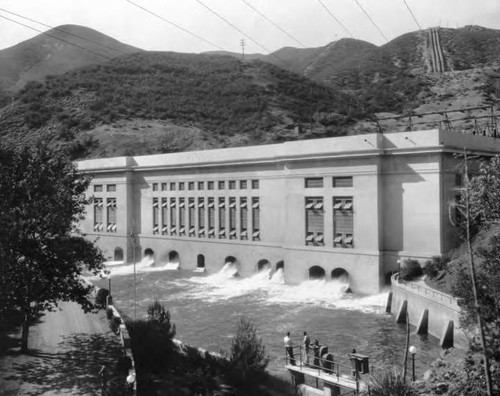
256,219
155,186
201,185
343,223
232,218
111,214
243,218
222,217
314,222
191,212
210,185
232,184
211,217
164,186
164,216
243,184
255,184
181,186
201,217
173,217
221,185
191,186
172,186
98,212
156,215
182,216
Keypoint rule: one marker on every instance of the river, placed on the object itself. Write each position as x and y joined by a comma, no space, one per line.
207,308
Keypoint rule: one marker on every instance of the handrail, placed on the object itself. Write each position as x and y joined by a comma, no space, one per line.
424,290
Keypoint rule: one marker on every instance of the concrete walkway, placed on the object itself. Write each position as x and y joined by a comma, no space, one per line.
68,348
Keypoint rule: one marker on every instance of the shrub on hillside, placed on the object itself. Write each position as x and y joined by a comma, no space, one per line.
101,297
434,266
389,383
410,269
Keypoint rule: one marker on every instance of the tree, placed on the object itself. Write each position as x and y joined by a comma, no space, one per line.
42,198
247,358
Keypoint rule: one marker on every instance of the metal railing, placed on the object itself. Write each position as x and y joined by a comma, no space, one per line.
425,291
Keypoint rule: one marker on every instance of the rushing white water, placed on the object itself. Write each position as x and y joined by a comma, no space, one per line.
172,266
278,276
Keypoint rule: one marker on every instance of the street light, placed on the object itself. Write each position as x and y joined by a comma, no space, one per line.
413,352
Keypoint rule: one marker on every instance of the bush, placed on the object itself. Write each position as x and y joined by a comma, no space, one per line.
109,313
101,297
388,384
115,323
247,359
435,265
410,269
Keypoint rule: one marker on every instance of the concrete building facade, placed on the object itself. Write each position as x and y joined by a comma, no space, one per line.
345,206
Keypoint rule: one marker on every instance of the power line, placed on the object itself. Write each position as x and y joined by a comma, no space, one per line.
411,12
335,18
273,23
65,32
176,25
233,26
57,38
371,20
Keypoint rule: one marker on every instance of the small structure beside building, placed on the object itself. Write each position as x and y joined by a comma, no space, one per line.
345,208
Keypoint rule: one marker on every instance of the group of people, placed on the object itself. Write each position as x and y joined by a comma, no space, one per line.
307,347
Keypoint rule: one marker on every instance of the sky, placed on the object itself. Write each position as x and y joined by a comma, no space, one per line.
264,25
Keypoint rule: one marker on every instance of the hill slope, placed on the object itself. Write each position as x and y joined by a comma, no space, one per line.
174,102
57,51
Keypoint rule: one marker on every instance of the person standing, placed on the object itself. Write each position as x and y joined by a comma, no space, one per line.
289,348
307,343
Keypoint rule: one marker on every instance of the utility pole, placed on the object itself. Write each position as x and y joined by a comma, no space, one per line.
242,43
133,237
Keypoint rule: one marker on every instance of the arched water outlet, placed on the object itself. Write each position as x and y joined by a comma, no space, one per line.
230,268
264,268
118,255
279,274
316,272
341,276
173,260
149,257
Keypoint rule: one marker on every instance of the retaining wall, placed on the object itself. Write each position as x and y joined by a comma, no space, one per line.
429,310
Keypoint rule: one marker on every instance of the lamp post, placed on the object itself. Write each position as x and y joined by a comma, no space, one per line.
399,270
412,351
133,236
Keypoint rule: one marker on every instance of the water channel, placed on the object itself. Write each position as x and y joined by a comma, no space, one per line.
206,309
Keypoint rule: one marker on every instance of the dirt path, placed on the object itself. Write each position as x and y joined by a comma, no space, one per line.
68,348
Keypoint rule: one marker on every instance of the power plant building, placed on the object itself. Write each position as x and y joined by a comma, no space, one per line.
343,206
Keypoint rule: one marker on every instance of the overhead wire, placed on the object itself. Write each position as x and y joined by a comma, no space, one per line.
335,18
176,25
66,32
371,20
273,23
413,15
57,38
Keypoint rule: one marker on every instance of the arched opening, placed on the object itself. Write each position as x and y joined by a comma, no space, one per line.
118,256
148,252
341,275
279,274
316,272
280,265
173,257
149,257
230,260
200,261
230,268
263,264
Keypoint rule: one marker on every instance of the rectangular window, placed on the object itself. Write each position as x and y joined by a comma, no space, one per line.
111,187
344,181
155,186
191,186
97,187
191,212
314,182
201,185
243,218
164,216
173,217
232,218
156,215
256,219
111,214
172,186
211,218
98,212
164,186
243,184
343,222
222,217
182,216
255,184
181,186
314,221
210,185
232,184
221,185
201,217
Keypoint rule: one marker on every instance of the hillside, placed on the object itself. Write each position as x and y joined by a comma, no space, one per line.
152,102
57,51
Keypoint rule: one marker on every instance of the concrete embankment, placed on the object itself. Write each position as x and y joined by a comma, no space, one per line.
429,310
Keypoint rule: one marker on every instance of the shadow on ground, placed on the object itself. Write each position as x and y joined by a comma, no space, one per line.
74,368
